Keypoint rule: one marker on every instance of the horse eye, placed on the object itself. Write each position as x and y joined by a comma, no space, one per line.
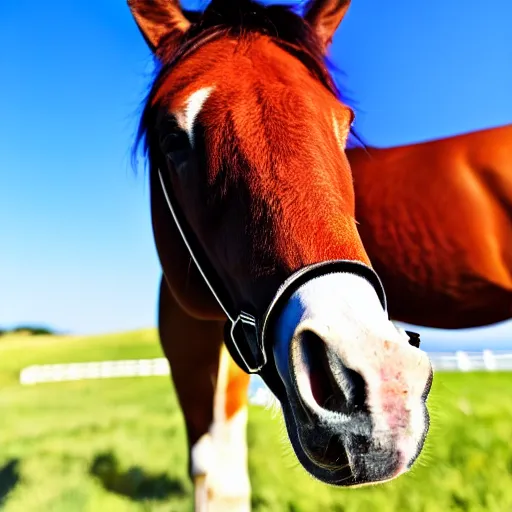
174,141
414,338
176,148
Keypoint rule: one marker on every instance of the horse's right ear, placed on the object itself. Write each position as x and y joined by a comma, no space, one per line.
157,19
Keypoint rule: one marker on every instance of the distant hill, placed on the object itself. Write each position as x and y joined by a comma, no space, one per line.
29,330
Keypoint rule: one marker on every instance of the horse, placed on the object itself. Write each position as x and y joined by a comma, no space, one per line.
436,220
264,271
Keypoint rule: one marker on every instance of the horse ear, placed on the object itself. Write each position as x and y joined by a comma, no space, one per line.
324,16
157,19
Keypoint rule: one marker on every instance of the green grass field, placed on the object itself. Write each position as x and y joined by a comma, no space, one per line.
119,445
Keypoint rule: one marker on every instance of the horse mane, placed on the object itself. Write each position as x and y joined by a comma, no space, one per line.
242,19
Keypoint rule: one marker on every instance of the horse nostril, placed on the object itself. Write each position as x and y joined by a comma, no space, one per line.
358,393
325,387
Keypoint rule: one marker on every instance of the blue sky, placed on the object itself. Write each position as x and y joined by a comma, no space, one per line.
76,243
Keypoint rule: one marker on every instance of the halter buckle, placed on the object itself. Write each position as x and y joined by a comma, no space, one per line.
246,340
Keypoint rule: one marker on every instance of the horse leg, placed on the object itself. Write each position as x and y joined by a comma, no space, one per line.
212,392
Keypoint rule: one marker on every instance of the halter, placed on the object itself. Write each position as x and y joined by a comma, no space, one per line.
245,333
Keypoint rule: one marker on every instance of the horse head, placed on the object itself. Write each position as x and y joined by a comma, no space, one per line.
246,134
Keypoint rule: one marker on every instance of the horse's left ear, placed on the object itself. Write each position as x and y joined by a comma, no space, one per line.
324,16
157,19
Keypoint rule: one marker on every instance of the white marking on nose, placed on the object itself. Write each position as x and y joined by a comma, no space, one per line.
344,311
193,105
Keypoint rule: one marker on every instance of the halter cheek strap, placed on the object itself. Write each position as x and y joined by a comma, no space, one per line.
245,334
242,326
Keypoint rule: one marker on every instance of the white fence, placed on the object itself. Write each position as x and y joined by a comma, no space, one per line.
96,370
458,361
472,361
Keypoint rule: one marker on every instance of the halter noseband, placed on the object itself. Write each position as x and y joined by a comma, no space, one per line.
244,333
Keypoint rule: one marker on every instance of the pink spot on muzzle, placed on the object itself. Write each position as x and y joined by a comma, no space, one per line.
393,396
